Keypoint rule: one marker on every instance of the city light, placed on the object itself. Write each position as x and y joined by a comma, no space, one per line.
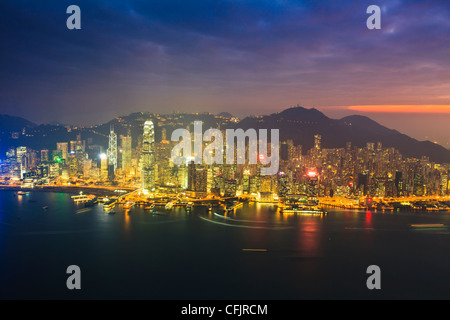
312,174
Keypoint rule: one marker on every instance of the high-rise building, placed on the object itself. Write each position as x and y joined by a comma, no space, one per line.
348,147
182,176
44,155
291,150
445,184
112,148
317,141
103,166
20,152
197,178
370,146
312,183
148,157
87,165
191,176
379,146
419,185
64,148
284,151
126,152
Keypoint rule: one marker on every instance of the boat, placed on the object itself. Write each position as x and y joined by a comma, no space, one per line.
232,207
129,205
111,212
109,204
160,213
169,205
102,199
311,211
303,208
22,193
82,210
45,207
151,207
91,202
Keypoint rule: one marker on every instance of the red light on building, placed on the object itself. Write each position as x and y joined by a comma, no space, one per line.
312,174
261,157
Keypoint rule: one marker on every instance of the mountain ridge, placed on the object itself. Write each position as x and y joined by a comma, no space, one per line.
301,124
297,123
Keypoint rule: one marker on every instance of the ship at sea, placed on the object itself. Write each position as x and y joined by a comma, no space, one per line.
299,203
91,202
151,207
129,205
109,204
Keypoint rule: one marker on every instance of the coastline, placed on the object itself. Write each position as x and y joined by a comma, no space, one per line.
97,191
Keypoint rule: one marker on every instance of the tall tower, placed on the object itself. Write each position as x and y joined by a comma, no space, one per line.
148,157
112,148
126,152
64,148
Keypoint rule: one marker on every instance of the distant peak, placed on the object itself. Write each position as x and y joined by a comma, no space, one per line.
303,113
359,118
225,115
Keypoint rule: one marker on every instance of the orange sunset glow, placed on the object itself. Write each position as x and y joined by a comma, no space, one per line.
403,108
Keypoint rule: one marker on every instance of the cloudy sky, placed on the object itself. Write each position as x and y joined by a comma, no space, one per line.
244,57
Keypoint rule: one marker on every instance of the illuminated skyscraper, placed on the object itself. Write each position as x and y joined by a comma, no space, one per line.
87,165
44,155
103,166
148,157
312,183
20,152
191,176
126,152
284,151
64,148
379,146
112,149
370,146
317,141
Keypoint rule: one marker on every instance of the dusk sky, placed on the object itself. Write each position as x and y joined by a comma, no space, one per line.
243,57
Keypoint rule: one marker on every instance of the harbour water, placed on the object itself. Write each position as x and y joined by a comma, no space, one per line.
253,253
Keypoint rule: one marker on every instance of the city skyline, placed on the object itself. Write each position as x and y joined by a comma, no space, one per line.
141,155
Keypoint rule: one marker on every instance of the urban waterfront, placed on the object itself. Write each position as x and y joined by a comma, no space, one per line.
255,252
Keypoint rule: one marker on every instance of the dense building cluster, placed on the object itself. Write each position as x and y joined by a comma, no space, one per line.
147,163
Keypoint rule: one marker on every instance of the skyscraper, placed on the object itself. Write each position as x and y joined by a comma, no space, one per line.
317,141
44,155
112,148
312,183
126,152
103,166
64,148
148,157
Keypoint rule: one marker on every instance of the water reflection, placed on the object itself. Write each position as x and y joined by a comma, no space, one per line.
126,224
309,235
368,220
